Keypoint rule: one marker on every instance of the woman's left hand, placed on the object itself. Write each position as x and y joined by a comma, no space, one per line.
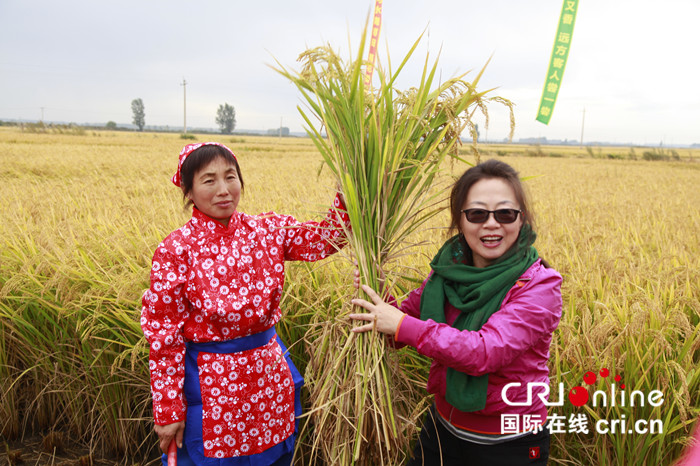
382,316
170,432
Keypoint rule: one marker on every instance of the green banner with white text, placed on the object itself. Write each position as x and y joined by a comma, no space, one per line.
560,52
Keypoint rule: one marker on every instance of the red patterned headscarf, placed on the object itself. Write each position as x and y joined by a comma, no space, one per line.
186,151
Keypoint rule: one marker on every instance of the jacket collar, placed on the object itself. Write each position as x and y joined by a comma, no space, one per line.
201,222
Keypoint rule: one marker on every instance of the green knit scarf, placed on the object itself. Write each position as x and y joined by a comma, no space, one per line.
477,293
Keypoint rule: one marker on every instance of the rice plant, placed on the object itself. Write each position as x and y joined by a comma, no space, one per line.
82,215
385,148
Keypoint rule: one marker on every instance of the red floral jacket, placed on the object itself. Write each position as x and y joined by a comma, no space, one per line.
214,283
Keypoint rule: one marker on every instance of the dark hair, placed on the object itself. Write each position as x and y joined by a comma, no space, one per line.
199,159
490,169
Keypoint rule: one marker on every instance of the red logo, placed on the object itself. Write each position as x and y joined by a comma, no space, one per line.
578,396
534,453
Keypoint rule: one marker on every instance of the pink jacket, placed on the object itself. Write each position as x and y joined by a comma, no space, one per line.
513,346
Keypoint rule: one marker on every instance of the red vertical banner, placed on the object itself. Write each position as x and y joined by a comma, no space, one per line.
376,26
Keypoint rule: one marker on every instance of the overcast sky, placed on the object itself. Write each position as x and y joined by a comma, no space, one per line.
633,64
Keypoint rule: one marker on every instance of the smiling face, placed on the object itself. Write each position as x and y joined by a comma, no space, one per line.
490,240
216,190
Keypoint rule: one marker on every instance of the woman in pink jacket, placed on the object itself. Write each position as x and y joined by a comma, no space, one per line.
485,316
224,388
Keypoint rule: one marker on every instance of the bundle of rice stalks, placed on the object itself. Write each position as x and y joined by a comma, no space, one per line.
385,148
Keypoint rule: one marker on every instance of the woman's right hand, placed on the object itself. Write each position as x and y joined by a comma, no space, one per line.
382,316
167,432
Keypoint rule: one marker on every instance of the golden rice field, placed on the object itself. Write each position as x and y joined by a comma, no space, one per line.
82,214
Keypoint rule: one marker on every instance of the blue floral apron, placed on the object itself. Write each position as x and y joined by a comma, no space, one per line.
243,401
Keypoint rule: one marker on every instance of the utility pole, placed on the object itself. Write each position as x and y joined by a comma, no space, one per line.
42,114
280,126
184,91
583,120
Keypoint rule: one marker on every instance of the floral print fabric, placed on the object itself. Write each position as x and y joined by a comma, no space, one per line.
211,283
247,401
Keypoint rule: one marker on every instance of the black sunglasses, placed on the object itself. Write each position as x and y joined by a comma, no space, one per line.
501,215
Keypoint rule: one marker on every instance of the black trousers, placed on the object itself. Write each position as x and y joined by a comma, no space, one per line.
437,446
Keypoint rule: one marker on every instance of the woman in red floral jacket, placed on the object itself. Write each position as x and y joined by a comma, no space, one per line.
221,378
